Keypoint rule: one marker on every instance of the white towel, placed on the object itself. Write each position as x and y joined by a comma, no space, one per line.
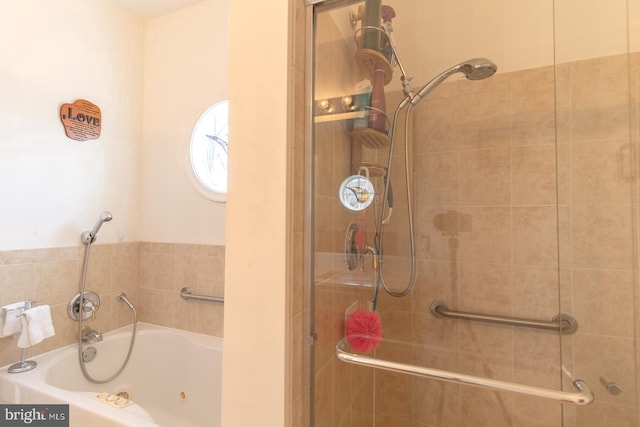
10,322
36,326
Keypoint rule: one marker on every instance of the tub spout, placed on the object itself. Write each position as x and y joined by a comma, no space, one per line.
90,335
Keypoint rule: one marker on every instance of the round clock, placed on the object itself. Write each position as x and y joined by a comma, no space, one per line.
356,193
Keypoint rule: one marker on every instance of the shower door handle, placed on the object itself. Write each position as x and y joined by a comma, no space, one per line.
582,395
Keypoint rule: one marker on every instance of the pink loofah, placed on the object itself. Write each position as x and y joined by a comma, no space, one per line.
364,331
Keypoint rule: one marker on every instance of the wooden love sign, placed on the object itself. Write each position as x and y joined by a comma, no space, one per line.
82,120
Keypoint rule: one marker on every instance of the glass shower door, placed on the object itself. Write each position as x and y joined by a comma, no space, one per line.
596,79
513,202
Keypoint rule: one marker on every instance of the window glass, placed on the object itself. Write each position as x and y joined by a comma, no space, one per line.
209,150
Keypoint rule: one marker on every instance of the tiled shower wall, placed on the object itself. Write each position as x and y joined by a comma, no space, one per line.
525,191
151,274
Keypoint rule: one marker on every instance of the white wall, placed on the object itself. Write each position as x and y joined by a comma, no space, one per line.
52,187
256,250
186,68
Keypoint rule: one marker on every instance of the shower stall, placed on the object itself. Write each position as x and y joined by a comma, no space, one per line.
472,215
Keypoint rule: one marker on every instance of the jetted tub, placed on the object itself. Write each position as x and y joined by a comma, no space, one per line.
174,378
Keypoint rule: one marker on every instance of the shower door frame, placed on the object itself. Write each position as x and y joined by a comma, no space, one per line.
309,330
314,7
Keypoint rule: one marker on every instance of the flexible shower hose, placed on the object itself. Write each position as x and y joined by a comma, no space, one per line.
378,241
80,314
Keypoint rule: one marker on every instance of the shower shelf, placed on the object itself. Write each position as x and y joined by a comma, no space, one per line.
350,115
367,60
370,138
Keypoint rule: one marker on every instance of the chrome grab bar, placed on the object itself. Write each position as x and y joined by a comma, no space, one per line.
583,396
560,322
186,294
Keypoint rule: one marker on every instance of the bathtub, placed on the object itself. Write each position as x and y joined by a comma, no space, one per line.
173,378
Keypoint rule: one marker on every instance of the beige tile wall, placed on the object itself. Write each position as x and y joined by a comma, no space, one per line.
535,170
52,276
489,150
165,268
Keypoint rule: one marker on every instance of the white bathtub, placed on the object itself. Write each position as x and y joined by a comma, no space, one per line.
174,378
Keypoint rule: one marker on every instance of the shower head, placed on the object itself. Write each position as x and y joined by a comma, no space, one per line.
89,237
473,69
106,216
478,68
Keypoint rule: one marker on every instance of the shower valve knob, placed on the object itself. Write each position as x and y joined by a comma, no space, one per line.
611,386
90,308
90,304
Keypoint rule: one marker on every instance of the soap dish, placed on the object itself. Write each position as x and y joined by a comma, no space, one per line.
113,400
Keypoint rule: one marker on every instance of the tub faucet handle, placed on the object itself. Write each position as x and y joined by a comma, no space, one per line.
90,335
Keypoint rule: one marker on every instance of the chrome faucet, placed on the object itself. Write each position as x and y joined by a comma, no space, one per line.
90,335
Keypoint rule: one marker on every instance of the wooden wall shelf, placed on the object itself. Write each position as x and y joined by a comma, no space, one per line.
367,59
370,138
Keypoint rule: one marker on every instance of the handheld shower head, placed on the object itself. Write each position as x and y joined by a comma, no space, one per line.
89,237
104,217
478,68
473,69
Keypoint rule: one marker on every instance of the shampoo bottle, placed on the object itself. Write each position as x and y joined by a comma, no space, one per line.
387,15
362,98
377,114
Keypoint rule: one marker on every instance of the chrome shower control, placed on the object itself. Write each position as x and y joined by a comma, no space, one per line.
611,387
90,304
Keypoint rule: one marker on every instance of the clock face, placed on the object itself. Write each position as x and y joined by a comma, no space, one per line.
208,151
356,193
